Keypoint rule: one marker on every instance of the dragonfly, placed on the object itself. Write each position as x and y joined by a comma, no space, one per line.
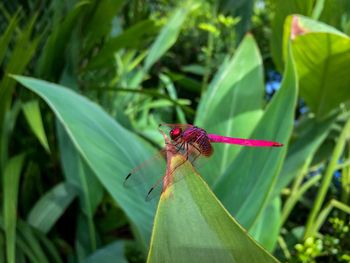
191,142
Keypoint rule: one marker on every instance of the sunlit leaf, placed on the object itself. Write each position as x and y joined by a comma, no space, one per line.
192,226
232,105
33,115
322,56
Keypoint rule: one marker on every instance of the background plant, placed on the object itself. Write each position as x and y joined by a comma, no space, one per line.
147,62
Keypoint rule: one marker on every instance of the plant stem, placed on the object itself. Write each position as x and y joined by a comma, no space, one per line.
338,150
294,197
325,212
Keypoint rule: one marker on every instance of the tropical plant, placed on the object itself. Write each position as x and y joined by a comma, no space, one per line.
109,72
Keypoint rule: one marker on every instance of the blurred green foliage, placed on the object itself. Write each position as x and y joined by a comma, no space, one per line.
63,162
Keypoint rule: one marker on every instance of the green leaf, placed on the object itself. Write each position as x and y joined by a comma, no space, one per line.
167,37
100,22
51,60
130,38
89,189
30,244
50,207
11,176
7,35
111,253
267,229
108,149
322,57
169,85
33,115
335,13
281,10
241,9
191,225
23,51
232,104
245,187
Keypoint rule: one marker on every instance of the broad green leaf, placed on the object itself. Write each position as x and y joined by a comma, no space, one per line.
232,104
267,229
309,136
322,57
50,207
192,226
111,253
246,186
11,176
282,9
33,115
108,149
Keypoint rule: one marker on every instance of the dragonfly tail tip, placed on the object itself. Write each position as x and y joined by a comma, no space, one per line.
277,144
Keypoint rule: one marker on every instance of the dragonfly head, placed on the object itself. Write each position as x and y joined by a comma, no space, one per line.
175,133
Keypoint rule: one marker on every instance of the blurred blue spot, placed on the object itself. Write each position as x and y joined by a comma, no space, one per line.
337,179
273,82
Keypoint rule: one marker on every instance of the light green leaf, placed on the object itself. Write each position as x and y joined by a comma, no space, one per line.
267,229
108,149
11,176
322,57
192,226
245,187
232,105
111,253
33,115
50,207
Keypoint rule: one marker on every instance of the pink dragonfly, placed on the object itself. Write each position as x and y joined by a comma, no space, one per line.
193,142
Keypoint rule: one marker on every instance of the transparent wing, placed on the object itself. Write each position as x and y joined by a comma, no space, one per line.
149,175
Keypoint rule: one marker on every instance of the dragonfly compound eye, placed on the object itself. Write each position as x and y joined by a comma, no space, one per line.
175,133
